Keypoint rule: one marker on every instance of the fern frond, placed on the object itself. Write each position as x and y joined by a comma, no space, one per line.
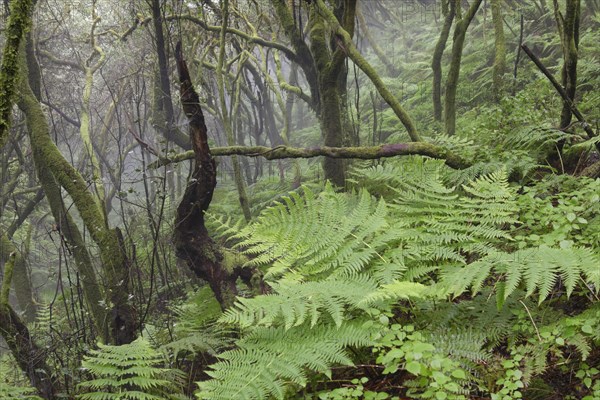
270,361
127,372
312,235
536,268
395,291
294,303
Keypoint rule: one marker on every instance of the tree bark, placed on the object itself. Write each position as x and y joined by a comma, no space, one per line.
364,153
18,22
436,62
364,65
568,27
330,114
164,101
192,241
460,31
499,50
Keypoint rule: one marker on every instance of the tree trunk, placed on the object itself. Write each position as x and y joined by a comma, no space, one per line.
51,165
568,27
192,241
18,22
436,63
164,101
460,31
499,50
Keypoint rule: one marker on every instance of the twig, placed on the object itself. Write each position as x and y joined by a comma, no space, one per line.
532,321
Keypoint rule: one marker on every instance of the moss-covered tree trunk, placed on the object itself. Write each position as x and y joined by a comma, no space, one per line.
18,22
568,27
330,56
436,62
85,129
344,40
330,111
120,321
29,356
460,32
499,50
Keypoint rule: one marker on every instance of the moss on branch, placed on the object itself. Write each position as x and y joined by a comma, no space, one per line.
368,69
365,153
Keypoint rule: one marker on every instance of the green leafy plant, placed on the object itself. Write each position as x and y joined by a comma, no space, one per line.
355,390
437,376
9,392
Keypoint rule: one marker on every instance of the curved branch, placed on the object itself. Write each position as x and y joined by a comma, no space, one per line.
368,69
216,28
64,63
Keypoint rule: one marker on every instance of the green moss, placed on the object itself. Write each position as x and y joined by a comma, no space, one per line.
112,255
7,279
18,23
364,65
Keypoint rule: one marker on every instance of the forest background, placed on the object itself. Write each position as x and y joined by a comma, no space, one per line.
380,199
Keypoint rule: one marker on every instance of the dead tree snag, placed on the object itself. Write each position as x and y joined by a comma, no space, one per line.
192,241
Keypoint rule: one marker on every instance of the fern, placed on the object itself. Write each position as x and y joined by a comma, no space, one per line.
335,260
292,303
479,314
13,383
270,359
195,331
128,372
436,226
395,291
313,235
536,269
9,392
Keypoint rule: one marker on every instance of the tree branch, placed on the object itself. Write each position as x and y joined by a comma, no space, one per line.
365,153
368,69
561,91
65,63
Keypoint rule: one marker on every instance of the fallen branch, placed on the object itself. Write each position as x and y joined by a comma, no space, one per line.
592,171
364,153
